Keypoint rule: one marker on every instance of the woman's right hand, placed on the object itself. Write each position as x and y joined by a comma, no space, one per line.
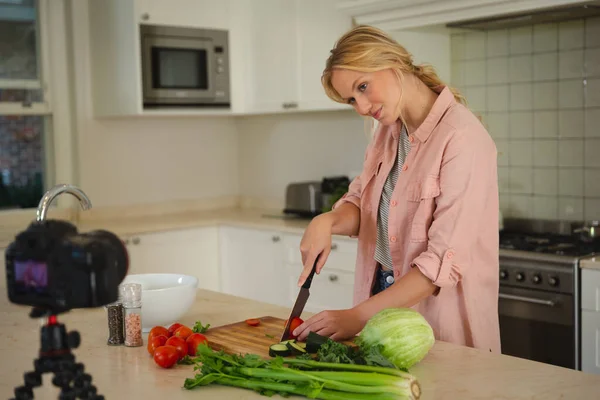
315,241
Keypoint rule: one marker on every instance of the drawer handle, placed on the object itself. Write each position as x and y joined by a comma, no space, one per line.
333,278
334,246
275,239
136,240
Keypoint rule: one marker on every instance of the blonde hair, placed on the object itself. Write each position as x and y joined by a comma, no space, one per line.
368,49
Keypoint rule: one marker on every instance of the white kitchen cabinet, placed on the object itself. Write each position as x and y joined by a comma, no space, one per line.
115,50
252,265
275,64
187,251
290,43
333,288
590,341
319,26
590,320
277,50
192,13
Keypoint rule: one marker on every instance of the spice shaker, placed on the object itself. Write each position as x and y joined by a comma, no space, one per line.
131,296
115,323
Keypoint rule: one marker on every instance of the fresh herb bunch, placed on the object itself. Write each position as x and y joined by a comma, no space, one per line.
295,376
336,352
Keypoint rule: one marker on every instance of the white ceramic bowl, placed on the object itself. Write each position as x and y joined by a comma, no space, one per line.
165,297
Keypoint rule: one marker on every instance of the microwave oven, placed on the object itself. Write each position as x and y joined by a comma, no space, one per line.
184,66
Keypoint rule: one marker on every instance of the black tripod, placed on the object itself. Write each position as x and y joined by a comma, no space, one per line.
55,356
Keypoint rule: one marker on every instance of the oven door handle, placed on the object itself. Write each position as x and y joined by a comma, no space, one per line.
549,303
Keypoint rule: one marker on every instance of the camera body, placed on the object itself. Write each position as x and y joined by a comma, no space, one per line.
52,266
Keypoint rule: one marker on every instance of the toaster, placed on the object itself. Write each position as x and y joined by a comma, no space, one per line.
304,199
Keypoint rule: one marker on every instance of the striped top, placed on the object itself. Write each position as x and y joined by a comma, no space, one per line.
382,247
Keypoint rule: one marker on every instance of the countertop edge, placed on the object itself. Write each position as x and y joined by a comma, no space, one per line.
237,217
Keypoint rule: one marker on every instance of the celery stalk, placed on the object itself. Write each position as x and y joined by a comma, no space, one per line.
323,394
347,367
352,382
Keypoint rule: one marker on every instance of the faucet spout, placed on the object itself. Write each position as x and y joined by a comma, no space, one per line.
51,194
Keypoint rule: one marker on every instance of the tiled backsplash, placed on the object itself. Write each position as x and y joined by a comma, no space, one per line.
537,89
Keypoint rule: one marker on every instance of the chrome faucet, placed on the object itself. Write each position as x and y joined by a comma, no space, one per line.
42,209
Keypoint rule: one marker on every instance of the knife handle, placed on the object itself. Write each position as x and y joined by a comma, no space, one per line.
308,281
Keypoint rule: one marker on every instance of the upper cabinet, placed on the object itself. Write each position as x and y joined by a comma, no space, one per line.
277,52
407,14
290,42
184,13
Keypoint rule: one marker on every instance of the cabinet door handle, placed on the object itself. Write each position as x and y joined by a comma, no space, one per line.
334,246
126,241
136,240
145,17
275,239
333,278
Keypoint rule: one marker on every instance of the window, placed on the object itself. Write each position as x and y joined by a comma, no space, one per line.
25,117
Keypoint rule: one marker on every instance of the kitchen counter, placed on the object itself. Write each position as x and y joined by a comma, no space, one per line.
592,263
124,226
448,372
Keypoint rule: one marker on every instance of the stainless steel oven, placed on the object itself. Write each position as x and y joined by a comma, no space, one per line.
184,66
538,309
539,300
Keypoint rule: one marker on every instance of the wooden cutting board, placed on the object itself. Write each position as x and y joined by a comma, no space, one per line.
241,338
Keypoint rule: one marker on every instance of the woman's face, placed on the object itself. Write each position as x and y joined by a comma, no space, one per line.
374,94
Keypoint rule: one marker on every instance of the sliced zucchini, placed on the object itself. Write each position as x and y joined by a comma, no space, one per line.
314,342
279,349
301,344
295,349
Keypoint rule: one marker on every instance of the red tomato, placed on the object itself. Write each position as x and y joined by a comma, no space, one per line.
179,344
155,342
173,328
296,322
193,341
253,322
166,356
157,331
183,332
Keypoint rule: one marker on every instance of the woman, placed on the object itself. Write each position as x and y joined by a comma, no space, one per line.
425,206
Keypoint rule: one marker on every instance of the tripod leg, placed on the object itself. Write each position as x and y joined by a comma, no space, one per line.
32,379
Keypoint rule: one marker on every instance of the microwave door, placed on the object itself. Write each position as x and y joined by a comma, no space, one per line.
179,70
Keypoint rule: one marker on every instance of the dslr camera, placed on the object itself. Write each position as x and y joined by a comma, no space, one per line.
50,266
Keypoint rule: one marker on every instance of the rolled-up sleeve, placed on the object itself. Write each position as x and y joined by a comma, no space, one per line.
352,195
467,179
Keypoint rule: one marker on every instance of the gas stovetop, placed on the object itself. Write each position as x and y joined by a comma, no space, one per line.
548,243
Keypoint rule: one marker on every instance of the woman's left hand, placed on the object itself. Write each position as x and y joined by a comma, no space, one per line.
336,324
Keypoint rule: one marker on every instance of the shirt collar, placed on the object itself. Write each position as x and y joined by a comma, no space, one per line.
444,101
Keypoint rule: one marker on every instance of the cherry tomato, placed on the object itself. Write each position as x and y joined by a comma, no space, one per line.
183,332
166,356
296,322
155,342
253,321
157,331
179,344
193,341
173,328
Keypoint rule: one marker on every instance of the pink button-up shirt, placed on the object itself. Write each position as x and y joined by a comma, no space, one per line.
443,219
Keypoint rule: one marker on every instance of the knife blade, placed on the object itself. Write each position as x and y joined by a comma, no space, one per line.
301,300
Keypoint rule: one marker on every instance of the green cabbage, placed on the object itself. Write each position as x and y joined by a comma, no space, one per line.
404,335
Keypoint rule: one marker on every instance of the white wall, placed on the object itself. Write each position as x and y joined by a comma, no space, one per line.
278,149
147,160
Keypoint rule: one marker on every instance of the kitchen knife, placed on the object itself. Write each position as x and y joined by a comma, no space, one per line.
300,302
